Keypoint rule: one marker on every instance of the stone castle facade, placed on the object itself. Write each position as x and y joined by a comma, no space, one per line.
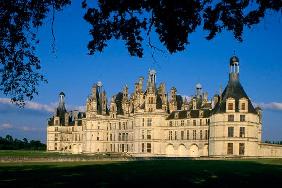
153,123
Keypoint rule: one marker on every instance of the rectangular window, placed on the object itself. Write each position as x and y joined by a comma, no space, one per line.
149,122
119,137
149,134
170,135
242,132
230,148
188,135
230,131
182,123
231,118
206,134
243,106
182,135
123,136
143,134
170,123
149,147
201,134
143,148
230,106
242,118
200,121
194,135
111,137
194,122
143,122
241,148
175,135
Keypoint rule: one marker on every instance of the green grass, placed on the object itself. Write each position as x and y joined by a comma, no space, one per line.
166,173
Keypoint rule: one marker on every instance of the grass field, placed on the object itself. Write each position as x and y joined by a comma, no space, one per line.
151,173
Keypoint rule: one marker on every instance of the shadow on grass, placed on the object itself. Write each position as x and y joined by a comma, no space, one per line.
154,173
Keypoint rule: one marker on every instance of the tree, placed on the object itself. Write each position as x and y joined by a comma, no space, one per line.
127,20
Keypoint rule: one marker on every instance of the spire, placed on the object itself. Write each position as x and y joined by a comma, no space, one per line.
61,108
151,78
234,68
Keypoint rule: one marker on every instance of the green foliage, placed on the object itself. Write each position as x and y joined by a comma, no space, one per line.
128,20
8,143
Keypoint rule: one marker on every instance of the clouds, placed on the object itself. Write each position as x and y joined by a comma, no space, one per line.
6,105
5,126
29,105
270,106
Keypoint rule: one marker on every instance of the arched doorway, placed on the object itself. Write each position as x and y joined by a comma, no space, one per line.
182,151
194,151
170,150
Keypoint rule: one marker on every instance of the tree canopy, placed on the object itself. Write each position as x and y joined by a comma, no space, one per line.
9,143
128,20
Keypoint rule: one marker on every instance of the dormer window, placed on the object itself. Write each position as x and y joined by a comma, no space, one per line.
188,115
230,105
176,115
243,105
201,113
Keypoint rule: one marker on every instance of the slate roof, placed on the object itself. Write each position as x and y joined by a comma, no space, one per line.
183,114
235,90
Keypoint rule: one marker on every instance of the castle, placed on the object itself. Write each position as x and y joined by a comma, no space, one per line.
153,123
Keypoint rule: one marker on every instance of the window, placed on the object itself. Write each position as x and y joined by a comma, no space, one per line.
182,135
182,123
206,134
243,106
175,135
170,135
242,132
150,100
143,148
119,125
194,122
143,122
242,118
111,137
170,123
187,134
230,117
194,135
230,148
200,121
149,134
149,122
230,131
143,135
119,137
149,147
230,106
201,134
241,148
123,136
176,115
57,122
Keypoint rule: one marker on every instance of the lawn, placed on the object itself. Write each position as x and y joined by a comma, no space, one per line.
149,173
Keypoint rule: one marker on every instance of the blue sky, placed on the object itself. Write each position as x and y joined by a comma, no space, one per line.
73,71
